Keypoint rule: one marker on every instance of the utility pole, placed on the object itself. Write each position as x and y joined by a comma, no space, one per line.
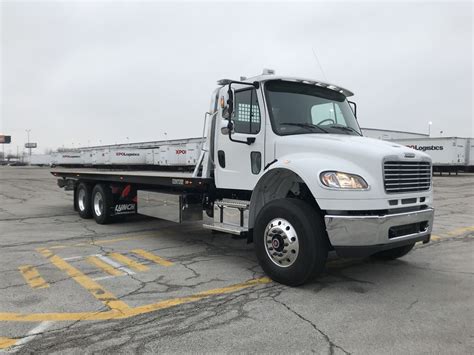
28,133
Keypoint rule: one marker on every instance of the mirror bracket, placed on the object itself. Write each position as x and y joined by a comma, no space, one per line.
354,107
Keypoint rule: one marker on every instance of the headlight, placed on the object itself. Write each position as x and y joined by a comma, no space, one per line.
338,180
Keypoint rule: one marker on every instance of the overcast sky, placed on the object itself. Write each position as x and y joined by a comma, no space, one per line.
93,72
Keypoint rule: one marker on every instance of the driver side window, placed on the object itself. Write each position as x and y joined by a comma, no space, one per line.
247,114
327,113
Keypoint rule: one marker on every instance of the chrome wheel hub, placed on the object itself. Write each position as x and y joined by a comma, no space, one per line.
281,242
98,204
81,199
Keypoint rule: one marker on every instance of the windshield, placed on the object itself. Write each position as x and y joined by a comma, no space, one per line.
297,108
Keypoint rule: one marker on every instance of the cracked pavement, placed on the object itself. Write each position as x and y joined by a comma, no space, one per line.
421,303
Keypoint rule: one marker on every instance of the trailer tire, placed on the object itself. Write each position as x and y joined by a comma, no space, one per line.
290,241
101,201
83,200
394,253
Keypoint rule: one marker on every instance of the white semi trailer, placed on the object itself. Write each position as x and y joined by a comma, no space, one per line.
448,154
40,159
283,163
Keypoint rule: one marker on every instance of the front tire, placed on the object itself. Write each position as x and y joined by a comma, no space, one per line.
290,241
83,200
394,253
101,202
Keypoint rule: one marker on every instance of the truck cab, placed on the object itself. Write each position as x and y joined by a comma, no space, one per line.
294,148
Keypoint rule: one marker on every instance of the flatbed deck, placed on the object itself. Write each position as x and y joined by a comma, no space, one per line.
143,177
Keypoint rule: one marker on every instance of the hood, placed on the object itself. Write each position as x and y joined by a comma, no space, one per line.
354,148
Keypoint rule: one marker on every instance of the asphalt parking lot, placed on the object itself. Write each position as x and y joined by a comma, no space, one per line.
147,285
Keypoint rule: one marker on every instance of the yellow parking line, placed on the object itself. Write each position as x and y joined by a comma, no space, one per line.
5,343
32,276
129,262
152,257
58,247
90,285
460,231
101,242
109,269
108,241
129,312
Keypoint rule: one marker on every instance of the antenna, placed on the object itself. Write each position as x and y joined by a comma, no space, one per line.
319,64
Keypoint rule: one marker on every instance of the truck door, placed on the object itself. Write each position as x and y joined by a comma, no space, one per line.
239,165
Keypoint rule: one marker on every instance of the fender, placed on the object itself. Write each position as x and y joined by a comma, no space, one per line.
281,177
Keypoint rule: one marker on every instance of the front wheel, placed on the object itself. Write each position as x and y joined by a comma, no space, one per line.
290,241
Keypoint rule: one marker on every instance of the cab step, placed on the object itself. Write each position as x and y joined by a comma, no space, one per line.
226,228
230,216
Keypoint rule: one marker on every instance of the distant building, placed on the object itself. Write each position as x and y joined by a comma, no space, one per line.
387,134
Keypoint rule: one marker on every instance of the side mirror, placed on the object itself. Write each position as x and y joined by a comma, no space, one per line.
230,102
227,126
228,107
354,107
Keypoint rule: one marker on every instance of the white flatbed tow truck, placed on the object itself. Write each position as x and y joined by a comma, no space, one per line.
282,163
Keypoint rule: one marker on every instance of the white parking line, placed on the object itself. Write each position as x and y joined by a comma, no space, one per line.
115,264
105,277
107,260
33,333
74,258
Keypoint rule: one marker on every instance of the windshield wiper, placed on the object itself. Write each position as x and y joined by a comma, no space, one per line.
304,125
346,128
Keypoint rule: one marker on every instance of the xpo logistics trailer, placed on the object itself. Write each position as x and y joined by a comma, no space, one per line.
448,154
282,163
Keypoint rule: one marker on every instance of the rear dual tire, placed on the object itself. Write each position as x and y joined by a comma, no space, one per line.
83,200
101,202
94,202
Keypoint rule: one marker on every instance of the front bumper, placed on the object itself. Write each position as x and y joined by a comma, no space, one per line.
357,236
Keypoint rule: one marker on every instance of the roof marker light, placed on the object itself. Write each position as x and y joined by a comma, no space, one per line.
268,71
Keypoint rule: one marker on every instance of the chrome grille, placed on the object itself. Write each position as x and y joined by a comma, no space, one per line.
404,176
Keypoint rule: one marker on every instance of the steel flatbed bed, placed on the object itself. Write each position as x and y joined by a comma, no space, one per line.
141,177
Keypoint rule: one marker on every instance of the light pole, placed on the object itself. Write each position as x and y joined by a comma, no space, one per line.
429,128
28,134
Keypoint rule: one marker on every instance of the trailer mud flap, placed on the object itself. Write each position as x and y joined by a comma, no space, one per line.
124,200
124,208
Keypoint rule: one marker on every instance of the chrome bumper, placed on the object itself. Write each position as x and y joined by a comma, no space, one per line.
366,231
